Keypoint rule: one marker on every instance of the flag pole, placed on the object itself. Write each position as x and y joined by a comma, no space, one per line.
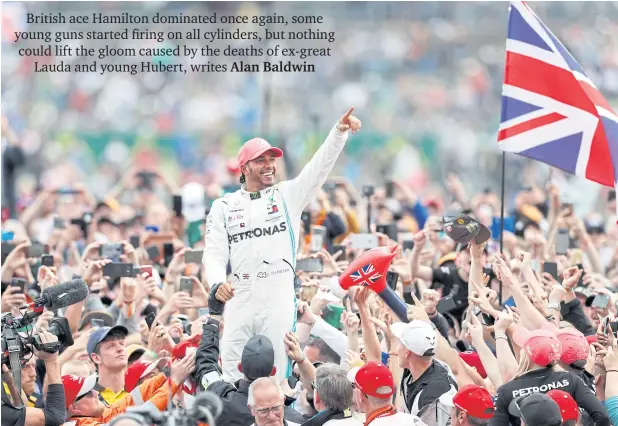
502,217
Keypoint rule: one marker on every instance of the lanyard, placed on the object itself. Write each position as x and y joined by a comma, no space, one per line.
382,412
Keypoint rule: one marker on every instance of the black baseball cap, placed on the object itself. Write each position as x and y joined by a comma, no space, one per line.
258,358
536,409
464,229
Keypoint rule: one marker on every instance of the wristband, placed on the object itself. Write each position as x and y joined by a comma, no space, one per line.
611,371
392,354
501,336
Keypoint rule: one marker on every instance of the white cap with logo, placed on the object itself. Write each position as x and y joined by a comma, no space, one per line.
417,336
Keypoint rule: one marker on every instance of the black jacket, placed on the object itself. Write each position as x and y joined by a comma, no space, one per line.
208,376
573,313
544,380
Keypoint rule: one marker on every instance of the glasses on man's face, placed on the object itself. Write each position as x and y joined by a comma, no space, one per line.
79,398
313,386
266,411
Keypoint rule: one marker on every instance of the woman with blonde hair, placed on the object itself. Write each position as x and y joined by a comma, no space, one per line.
538,373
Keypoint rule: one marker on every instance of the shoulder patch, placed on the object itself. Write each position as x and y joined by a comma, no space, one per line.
209,378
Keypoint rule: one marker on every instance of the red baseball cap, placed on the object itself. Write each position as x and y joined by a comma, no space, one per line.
76,386
542,346
140,369
568,406
371,377
476,401
180,350
575,346
474,360
255,147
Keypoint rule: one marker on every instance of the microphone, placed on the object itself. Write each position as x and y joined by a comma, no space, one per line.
60,296
206,407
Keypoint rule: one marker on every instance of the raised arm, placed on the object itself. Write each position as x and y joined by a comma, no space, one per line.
300,189
216,250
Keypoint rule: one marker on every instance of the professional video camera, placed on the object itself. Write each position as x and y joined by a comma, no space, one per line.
18,336
205,408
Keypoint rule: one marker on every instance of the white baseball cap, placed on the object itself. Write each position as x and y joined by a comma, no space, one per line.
417,336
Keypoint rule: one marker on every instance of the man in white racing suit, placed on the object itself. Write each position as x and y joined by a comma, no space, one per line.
257,229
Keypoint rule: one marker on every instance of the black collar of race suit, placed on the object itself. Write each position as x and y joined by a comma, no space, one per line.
326,415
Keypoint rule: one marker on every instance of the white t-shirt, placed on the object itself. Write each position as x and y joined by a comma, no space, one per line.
399,419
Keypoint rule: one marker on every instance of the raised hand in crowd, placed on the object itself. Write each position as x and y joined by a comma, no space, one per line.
329,262
176,267
12,299
16,263
93,270
183,368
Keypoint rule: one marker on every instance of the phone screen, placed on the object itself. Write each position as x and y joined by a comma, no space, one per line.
186,285
317,238
446,304
194,256
153,252
310,265
47,260
600,301
552,269
510,302
390,189
18,282
114,270
391,279
178,205
134,240
363,241
562,241
150,319
168,253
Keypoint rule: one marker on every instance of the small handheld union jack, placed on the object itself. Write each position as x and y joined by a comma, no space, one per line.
366,275
368,270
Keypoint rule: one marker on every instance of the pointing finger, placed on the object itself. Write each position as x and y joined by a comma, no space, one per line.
348,113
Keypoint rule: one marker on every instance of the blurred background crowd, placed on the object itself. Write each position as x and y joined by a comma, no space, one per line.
100,171
425,77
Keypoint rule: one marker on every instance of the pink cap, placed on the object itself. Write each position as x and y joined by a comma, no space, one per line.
542,345
255,147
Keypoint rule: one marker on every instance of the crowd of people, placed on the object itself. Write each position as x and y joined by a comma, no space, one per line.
430,94
182,300
214,292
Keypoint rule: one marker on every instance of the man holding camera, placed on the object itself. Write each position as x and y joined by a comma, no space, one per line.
257,229
53,413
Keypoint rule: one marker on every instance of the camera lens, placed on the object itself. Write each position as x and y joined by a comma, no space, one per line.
59,327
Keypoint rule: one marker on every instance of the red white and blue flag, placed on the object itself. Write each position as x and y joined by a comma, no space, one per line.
366,275
551,111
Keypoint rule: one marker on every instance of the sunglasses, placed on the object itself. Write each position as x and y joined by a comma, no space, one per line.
89,393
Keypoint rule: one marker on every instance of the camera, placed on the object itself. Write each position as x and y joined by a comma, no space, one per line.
13,339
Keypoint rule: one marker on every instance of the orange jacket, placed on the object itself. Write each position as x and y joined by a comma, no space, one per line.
152,390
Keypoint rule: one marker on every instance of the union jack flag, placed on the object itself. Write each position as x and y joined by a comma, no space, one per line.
365,276
551,111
